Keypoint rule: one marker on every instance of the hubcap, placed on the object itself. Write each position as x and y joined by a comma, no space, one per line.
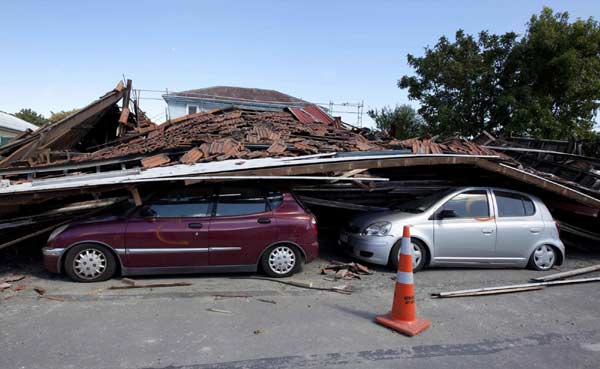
282,259
416,255
89,264
543,257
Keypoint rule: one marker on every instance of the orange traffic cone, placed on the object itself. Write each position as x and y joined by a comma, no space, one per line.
403,317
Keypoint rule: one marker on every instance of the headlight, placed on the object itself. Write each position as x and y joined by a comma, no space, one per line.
378,229
57,231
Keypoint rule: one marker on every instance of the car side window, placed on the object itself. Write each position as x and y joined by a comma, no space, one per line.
183,204
513,204
470,204
240,201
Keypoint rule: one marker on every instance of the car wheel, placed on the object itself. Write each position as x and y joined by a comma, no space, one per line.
281,261
542,258
419,255
90,263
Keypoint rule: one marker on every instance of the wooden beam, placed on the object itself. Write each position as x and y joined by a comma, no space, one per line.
570,273
339,204
350,173
137,199
81,116
352,164
538,181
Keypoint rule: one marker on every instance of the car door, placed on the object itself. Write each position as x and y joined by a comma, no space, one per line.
241,228
171,231
469,236
520,226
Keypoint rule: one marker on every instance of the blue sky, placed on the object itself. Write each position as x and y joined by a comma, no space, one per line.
57,55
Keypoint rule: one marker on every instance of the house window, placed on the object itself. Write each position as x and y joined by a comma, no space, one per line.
192,109
4,140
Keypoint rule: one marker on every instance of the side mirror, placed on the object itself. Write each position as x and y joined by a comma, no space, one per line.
446,213
147,212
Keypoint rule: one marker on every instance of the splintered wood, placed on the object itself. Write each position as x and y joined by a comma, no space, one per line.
340,270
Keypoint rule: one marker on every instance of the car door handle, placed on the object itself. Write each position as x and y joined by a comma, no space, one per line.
487,230
195,225
264,220
535,230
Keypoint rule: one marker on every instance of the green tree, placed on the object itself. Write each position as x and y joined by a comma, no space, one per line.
544,84
59,115
556,92
31,116
405,120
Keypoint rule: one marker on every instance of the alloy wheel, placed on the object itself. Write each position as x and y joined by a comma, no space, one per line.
417,255
543,257
282,259
89,263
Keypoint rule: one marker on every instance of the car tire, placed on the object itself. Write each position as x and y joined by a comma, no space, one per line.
280,261
90,263
419,249
543,258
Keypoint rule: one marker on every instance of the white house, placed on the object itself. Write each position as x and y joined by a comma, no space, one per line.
193,101
11,126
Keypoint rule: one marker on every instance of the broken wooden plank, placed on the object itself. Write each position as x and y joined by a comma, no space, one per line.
219,311
524,285
496,292
135,194
128,281
155,161
53,298
339,204
124,117
267,301
350,173
152,285
339,289
570,273
14,278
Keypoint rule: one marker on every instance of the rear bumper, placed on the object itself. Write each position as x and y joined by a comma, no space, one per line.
371,249
311,250
52,258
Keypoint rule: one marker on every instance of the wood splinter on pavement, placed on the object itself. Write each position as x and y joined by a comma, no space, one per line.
154,285
220,311
128,281
267,301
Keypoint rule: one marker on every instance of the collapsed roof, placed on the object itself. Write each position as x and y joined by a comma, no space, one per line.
107,149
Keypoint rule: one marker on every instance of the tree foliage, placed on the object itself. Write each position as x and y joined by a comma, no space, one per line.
544,84
59,115
31,116
404,119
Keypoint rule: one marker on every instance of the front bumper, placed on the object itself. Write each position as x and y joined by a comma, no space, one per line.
371,249
52,258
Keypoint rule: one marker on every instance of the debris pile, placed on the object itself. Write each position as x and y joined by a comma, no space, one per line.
108,152
339,270
233,133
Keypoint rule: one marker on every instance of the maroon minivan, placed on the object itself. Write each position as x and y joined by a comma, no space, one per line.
190,231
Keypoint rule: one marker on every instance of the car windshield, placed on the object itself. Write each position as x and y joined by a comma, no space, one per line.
423,203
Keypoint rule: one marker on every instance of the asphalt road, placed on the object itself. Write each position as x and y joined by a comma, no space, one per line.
94,327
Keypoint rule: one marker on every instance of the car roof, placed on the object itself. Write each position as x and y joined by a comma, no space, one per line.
461,189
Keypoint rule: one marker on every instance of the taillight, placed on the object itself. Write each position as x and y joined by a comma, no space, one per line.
557,224
313,224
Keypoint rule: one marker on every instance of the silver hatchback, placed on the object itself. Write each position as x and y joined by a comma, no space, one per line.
475,226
